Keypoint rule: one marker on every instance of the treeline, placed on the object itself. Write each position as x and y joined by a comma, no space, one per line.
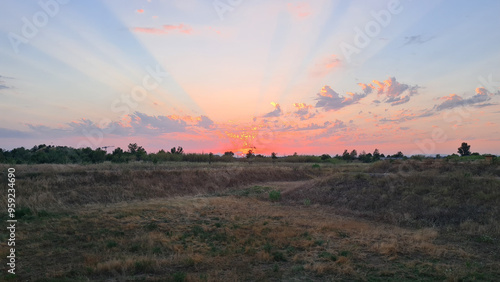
67,155
50,154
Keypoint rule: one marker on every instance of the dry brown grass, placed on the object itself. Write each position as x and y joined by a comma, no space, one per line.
57,187
242,237
234,233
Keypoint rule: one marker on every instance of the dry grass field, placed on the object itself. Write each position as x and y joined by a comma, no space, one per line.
388,221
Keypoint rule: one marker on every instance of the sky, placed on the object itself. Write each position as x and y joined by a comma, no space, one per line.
312,77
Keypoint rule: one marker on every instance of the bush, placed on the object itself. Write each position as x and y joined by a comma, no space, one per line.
275,195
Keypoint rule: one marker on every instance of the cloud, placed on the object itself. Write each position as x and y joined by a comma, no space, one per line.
395,93
391,91
367,88
407,115
205,122
417,39
140,11
134,124
304,111
2,82
479,100
313,126
332,129
325,65
300,10
143,123
398,100
165,29
330,100
11,133
454,100
277,111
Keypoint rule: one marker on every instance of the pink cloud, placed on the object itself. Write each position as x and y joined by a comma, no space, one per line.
276,112
165,29
328,99
395,93
304,111
325,65
181,28
300,10
454,100
140,11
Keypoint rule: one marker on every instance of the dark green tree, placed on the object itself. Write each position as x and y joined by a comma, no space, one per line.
132,148
398,155
376,155
353,154
117,155
229,154
178,151
98,156
250,154
325,157
464,150
274,157
346,156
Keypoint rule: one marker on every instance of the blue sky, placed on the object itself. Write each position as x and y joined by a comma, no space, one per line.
285,76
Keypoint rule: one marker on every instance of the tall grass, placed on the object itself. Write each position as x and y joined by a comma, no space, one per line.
56,187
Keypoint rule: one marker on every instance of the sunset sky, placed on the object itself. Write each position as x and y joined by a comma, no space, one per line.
311,77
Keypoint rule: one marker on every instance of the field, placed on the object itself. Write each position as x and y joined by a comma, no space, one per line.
392,220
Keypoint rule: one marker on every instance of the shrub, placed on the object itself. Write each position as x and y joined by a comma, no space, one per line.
275,195
279,256
111,244
179,276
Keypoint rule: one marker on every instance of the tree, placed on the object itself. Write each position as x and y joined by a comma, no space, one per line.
353,154
137,151
398,155
229,154
376,155
132,148
464,150
178,151
141,153
117,155
325,157
364,157
98,156
346,156
210,156
273,156
118,151
250,154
